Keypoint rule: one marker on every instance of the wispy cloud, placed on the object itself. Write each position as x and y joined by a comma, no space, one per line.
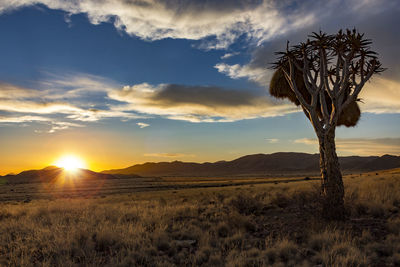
59,101
198,103
361,146
21,119
70,110
142,125
75,86
53,123
381,96
260,75
43,107
62,125
272,140
228,55
9,91
306,141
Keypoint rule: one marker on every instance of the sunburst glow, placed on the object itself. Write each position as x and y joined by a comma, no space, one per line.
70,163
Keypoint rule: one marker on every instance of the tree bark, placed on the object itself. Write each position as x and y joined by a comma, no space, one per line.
332,189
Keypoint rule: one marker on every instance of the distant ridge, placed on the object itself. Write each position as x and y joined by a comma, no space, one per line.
259,164
53,174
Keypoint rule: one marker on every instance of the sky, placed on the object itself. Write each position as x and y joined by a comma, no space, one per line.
121,82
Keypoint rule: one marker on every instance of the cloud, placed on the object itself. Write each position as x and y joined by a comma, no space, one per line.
259,75
381,96
70,111
88,98
306,141
198,103
168,155
71,94
54,124
61,125
93,114
142,125
361,146
228,55
272,140
74,86
28,106
22,119
9,91
219,23
79,97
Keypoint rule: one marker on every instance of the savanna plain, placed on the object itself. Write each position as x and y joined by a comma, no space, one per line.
213,221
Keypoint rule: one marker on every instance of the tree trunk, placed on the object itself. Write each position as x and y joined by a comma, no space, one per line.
332,184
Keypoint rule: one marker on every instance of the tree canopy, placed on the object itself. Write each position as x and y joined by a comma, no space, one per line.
326,73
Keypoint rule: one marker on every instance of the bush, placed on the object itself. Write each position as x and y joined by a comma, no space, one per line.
246,204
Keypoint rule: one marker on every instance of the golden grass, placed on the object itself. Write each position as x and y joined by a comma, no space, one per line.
249,225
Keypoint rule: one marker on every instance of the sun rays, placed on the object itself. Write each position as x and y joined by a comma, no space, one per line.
70,163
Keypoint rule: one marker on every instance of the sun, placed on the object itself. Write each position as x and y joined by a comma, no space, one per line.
70,163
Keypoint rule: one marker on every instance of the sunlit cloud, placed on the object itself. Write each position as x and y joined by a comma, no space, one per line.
198,103
9,91
306,141
21,119
69,110
222,21
142,125
53,123
61,125
259,75
360,146
59,99
381,96
228,55
171,101
74,85
272,140
92,115
28,106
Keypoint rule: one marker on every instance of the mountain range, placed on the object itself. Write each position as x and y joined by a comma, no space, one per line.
282,163
259,164
53,174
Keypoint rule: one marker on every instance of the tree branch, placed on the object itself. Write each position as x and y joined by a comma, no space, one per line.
359,86
324,70
292,82
324,107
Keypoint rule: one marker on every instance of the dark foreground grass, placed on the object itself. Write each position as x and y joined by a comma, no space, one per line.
265,225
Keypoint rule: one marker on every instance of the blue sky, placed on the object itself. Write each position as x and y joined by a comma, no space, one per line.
123,82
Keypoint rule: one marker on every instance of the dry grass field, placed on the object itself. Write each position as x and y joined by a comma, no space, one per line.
192,222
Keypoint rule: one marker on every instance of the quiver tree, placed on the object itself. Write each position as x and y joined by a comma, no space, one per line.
325,75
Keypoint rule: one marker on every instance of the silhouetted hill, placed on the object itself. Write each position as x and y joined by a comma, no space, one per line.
53,174
258,164
382,163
